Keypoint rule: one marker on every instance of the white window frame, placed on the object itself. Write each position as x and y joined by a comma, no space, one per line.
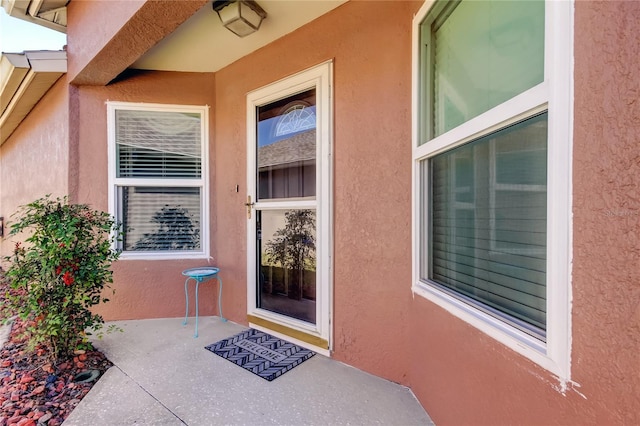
202,183
554,94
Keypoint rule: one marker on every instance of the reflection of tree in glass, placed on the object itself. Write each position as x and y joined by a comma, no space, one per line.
293,245
175,231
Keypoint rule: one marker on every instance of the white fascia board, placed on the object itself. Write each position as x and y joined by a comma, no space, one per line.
13,69
17,60
13,7
47,60
37,12
24,81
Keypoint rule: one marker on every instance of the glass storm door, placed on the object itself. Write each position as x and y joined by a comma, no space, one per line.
288,207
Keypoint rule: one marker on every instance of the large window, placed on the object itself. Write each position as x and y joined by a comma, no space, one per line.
492,144
157,169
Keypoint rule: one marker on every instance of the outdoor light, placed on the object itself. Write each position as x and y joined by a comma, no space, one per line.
1,227
241,17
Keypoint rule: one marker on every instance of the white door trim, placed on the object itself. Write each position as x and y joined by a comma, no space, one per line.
319,77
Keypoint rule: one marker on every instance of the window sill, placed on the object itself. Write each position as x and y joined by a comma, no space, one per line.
163,256
522,343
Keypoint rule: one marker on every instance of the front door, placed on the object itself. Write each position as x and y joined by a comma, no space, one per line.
288,207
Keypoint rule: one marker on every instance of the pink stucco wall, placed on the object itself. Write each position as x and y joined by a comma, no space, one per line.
464,377
34,160
369,308
460,375
87,35
372,115
106,36
606,269
144,289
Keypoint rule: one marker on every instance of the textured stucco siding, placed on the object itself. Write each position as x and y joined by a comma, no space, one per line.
107,36
369,308
371,51
34,161
463,376
460,375
144,289
606,213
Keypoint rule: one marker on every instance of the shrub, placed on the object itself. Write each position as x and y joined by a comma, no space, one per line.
60,272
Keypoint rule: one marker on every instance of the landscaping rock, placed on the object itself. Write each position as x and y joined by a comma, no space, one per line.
35,392
45,418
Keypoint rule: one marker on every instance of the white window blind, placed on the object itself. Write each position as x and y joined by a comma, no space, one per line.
488,216
492,166
160,218
158,178
158,144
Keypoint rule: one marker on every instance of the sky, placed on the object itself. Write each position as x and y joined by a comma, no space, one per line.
17,35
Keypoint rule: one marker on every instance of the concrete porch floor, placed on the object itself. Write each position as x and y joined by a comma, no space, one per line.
164,376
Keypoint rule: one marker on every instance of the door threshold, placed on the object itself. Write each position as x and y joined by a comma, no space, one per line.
300,338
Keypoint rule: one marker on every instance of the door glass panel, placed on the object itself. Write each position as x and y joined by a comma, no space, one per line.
287,262
287,147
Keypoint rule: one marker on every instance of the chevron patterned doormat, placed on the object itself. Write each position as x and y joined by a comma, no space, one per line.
260,353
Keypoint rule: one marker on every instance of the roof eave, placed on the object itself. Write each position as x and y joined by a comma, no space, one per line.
24,80
51,14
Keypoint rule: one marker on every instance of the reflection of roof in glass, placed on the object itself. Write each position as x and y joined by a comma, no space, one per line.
299,147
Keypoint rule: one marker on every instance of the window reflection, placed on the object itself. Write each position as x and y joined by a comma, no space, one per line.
287,147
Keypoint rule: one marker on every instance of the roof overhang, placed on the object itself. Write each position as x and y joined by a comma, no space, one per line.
182,36
48,13
24,80
202,44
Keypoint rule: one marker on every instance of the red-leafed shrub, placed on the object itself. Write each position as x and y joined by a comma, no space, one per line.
60,272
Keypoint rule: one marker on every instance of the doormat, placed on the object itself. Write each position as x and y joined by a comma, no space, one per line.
260,353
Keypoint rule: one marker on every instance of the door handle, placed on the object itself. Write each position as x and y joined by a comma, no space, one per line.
249,205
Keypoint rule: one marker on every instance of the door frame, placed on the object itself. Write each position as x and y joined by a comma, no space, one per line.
318,337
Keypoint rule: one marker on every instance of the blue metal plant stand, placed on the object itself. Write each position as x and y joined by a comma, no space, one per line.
200,275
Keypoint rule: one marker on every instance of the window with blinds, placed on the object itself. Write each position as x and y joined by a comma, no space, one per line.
491,153
488,216
158,177
158,144
160,218
484,202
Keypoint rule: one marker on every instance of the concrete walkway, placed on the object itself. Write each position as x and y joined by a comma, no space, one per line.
163,376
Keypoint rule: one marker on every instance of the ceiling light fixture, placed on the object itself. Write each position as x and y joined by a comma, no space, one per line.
241,17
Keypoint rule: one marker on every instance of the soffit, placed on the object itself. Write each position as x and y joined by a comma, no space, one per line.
48,13
202,44
24,80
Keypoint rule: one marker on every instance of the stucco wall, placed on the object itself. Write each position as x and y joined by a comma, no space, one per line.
464,377
91,25
34,160
372,116
606,269
372,174
461,375
106,36
144,289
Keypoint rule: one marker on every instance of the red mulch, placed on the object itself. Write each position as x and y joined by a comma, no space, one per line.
32,391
